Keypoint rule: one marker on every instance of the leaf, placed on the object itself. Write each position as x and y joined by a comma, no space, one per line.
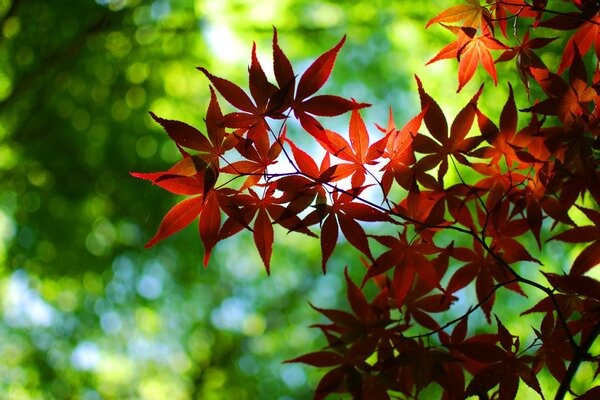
474,52
403,280
592,394
318,72
180,216
231,92
357,301
281,65
329,235
319,359
587,259
481,351
209,224
576,285
485,379
471,13
263,237
586,35
184,134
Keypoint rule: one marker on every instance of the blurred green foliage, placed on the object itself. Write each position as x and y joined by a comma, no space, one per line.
86,312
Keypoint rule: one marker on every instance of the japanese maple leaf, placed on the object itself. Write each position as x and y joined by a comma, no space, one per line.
269,100
343,214
399,152
525,57
470,50
590,256
190,176
586,22
423,208
259,154
305,105
508,144
204,206
504,366
243,208
408,260
472,15
211,147
568,101
421,304
555,348
456,144
503,228
300,190
357,152
520,8
485,270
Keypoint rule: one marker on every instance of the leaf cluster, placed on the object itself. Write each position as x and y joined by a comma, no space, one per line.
514,179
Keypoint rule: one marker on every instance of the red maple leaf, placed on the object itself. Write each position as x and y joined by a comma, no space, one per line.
399,152
358,152
343,213
568,101
456,144
470,50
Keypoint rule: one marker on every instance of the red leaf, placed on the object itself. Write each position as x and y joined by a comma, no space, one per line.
263,237
587,259
328,105
485,379
317,74
319,359
209,224
329,235
184,134
470,13
483,352
403,280
330,383
592,394
180,216
357,301
231,92
284,74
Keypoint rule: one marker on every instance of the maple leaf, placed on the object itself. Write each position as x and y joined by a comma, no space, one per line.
269,100
578,285
504,366
180,216
485,270
299,191
586,21
504,140
568,101
259,154
357,152
399,152
211,147
470,50
408,261
525,57
305,105
590,256
343,213
456,144
472,15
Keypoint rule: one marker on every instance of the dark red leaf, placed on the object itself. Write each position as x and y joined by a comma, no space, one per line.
317,73
180,216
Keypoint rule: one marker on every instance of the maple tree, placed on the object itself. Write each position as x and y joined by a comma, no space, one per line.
489,182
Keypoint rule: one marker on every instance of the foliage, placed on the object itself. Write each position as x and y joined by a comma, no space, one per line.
489,181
